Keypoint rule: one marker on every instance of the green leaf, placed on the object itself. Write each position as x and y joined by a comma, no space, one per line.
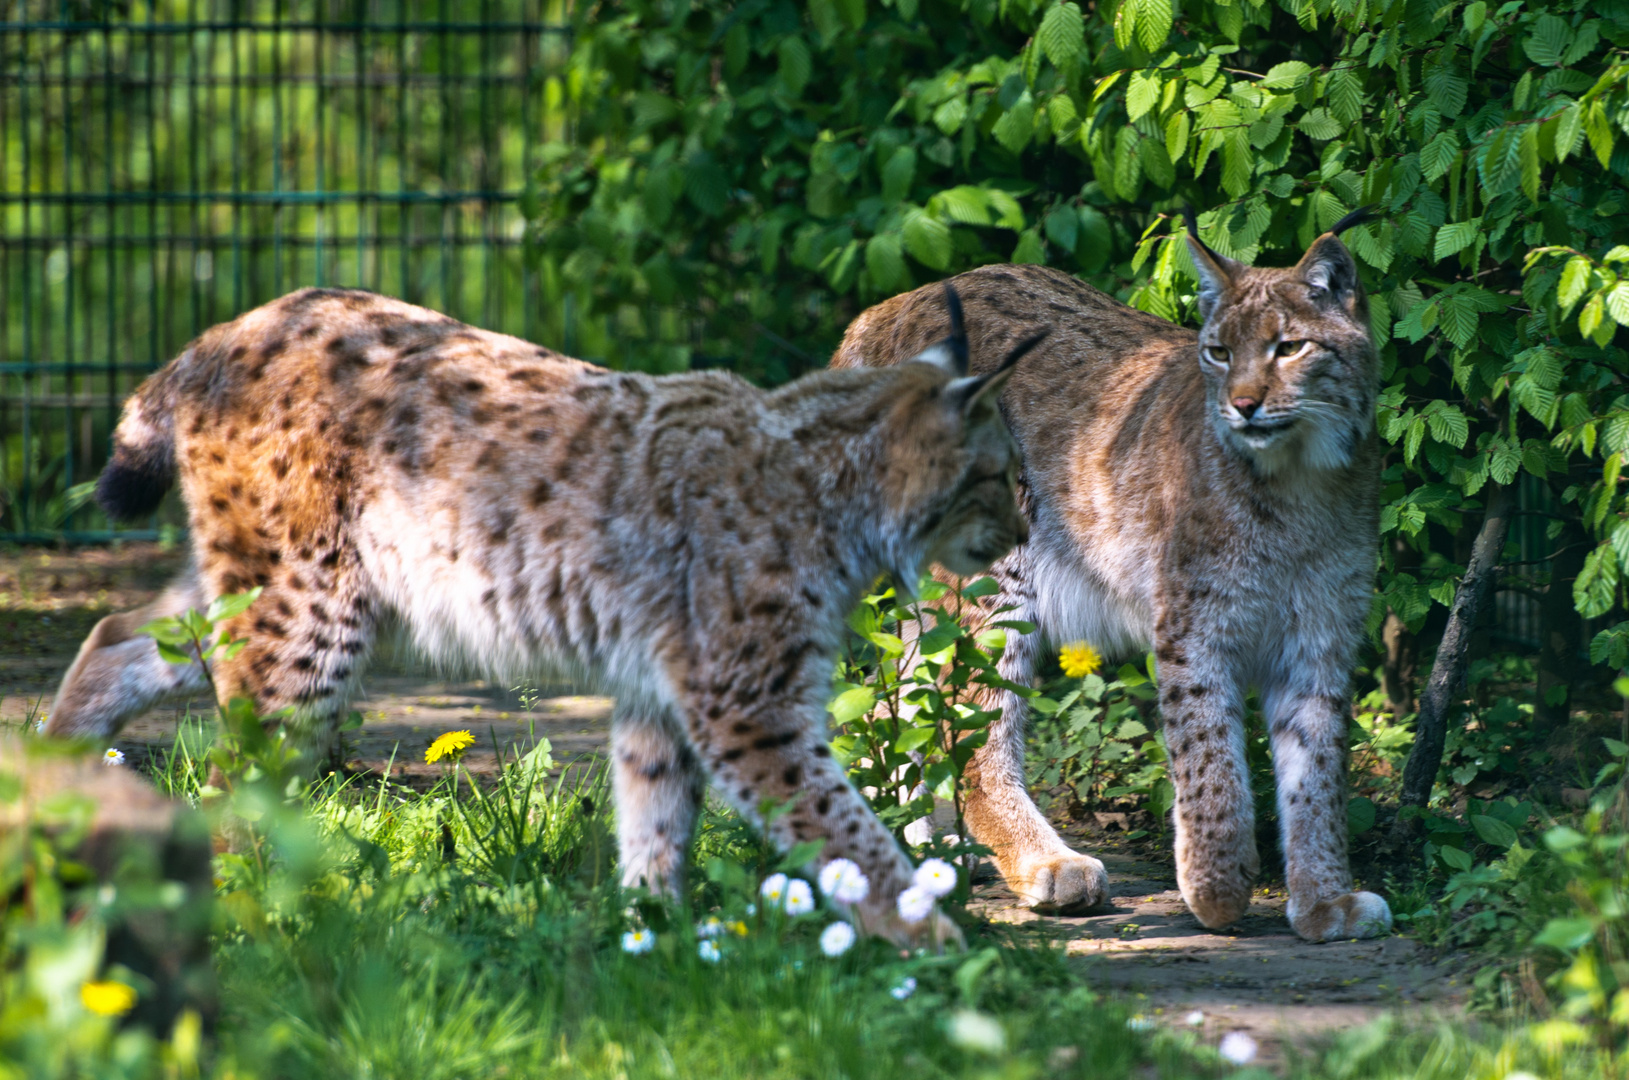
1568,935
232,604
927,240
1569,129
1360,815
1063,227
1286,76
1455,236
885,262
1017,125
1493,831
1456,858
1575,278
795,65
914,739
1062,36
1617,303
1153,23
1547,40
1319,124
1500,162
1438,155
983,586
942,636
852,704
898,174
173,655
1142,93
853,12
1030,248
1237,163
802,854
1589,319
1596,587
1530,161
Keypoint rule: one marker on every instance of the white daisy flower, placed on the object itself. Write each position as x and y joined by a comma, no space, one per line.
977,1031
915,904
638,941
39,726
710,927
844,882
936,877
113,757
1194,1019
773,888
708,951
836,939
906,987
799,897
1140,1023
1238,1048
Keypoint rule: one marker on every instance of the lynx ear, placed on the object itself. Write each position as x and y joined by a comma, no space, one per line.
966,395
951,353
1216,272
1330,272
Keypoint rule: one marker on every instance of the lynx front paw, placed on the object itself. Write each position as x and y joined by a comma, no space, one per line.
1059,882
1354,915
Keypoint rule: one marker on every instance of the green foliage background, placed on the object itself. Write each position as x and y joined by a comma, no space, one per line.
744,177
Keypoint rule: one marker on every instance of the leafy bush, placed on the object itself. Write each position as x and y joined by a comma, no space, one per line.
914,701
1094,742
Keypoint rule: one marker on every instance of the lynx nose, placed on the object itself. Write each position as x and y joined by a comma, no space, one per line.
1246,406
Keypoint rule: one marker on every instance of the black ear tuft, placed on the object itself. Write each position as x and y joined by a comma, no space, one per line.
964,395
1361,216
1216,271
958,329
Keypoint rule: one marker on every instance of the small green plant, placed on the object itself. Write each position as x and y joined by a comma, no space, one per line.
1093,740
916,692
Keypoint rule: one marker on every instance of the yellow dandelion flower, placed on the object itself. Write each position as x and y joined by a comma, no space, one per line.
738,928
449,744
1079,659
107,998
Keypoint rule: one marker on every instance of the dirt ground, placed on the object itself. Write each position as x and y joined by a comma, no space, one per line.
1256,977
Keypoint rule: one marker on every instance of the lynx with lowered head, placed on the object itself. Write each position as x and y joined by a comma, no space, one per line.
1212,496
690,543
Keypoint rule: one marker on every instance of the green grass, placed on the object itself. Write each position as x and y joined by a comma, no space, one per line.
382,932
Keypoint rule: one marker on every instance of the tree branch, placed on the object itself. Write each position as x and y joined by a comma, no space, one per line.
1453,656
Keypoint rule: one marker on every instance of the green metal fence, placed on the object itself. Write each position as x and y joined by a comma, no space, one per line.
165,165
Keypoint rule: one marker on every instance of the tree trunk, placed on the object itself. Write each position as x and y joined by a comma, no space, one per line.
1397,674
1453,655
1560,630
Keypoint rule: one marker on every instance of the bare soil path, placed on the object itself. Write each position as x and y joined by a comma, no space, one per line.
1256,977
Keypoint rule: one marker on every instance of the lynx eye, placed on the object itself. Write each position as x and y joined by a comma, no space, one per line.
1217,354
1290,348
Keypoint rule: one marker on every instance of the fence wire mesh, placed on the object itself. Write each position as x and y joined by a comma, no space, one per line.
168,165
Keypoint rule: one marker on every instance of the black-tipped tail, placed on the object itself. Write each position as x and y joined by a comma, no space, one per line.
135,481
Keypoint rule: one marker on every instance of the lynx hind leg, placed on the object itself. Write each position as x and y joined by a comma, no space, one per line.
119,674
309,637
658,786
1042,871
